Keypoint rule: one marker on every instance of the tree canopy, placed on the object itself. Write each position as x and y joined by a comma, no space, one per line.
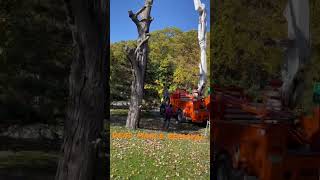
174,58
35,54
239,54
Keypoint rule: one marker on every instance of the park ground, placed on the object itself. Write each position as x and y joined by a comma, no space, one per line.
148,157
34,162
134,158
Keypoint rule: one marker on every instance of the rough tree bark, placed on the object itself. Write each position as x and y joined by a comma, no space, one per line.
87,89
138,60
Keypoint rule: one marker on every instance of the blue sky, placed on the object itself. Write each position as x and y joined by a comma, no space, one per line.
166,13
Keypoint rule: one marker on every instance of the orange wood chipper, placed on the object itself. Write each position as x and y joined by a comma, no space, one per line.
190,107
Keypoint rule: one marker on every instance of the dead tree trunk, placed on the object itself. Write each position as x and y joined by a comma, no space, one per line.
138,60
87,89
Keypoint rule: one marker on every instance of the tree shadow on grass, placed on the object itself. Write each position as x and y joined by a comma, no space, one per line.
151,120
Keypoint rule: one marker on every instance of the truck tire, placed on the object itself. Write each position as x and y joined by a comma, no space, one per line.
180,116
223,169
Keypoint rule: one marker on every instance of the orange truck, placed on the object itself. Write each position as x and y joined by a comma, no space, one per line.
252,141
266,140
188,107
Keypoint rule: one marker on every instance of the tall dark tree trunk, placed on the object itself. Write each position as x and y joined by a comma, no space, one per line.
138,59
87,88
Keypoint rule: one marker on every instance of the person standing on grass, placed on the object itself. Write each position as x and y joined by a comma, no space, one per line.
168,114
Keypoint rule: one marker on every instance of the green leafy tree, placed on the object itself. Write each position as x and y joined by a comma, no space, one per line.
174,58
35,54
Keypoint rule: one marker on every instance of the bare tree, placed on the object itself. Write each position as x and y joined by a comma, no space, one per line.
138,60
87,89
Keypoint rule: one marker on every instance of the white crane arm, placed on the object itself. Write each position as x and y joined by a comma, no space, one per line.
200,7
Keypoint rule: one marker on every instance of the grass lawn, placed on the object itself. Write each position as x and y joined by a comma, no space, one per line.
124,112
119,112
138,158
28,160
